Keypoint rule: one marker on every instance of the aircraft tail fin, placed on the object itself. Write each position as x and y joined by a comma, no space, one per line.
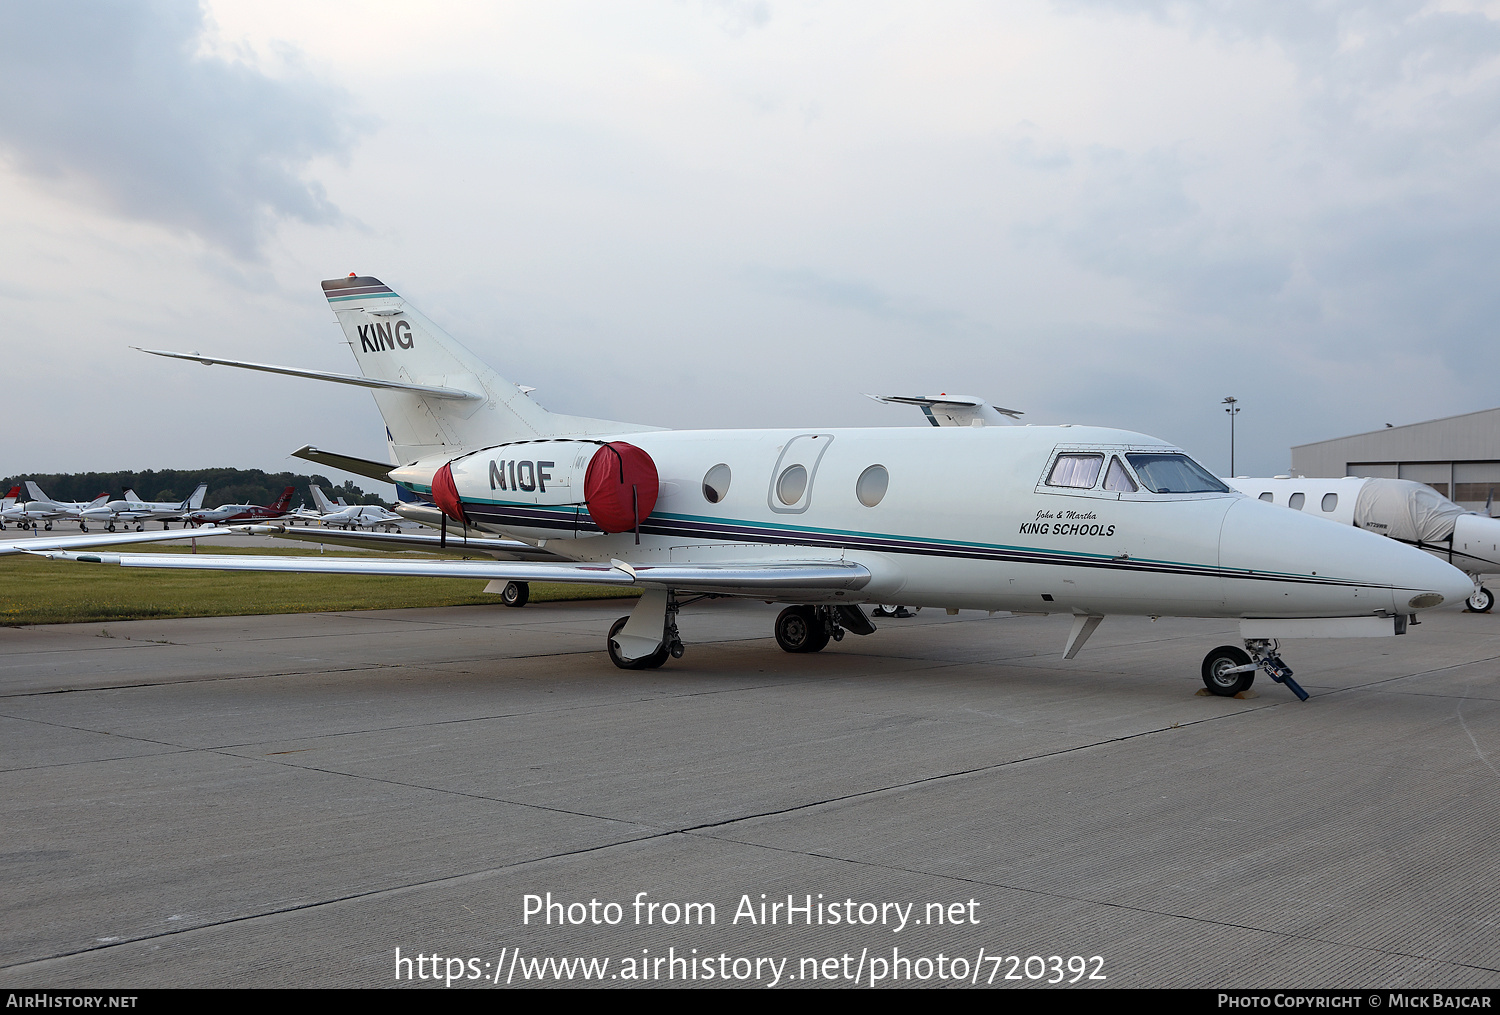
100,500
131,495
478,408
195,499
35,492
284,502
325,506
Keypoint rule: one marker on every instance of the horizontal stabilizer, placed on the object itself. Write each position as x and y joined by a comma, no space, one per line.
345,463
954,410
430,390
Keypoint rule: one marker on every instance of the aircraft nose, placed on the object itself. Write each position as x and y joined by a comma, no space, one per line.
1346,571
1431,581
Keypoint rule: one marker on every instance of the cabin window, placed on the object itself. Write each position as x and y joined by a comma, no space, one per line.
716,484
791,484
1174,473
1296,502
1077,472
1268,496
1117,478
1330,501
871,485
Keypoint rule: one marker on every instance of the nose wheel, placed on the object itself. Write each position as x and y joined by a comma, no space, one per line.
1228,670
1481,600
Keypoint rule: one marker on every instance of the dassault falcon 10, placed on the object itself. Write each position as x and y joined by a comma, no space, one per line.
1080,520
1413,513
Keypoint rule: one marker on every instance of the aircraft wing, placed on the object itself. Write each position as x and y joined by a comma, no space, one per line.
771,579
34,544
501,549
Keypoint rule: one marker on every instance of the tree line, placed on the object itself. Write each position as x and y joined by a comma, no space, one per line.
225,486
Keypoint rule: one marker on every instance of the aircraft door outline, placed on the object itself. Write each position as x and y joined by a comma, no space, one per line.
790,491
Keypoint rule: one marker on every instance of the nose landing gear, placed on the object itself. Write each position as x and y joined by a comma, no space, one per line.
1481,600
1228,671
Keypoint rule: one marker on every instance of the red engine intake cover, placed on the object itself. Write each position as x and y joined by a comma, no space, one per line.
445,493
620,487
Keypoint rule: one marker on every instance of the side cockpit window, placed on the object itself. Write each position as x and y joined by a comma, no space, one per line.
1076,472
1118,479
1174,473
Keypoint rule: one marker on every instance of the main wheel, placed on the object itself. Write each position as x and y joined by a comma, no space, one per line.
649,662
798,629
1215,675
518,594
1481,600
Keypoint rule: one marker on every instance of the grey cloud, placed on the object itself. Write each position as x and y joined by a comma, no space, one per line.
113,96
1132,218
738,16
804,284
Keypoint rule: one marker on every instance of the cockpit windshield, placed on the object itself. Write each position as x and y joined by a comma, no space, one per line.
1174,473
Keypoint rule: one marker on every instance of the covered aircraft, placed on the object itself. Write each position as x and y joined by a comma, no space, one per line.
1085,521
1413,513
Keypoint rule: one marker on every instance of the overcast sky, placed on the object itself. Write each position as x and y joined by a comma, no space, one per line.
715,213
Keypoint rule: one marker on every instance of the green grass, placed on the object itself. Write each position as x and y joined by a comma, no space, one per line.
37,591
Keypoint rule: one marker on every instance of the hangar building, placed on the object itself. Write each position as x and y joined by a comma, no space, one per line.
1458,456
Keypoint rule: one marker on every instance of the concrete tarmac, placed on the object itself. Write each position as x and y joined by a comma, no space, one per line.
334,799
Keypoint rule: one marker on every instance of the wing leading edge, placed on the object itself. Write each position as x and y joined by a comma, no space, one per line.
804,579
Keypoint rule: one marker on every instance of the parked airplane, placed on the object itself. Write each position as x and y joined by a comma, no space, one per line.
1085,521
227,513
132,510
353,516
41,508
1411,512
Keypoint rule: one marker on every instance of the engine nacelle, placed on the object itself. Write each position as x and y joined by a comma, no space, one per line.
544,489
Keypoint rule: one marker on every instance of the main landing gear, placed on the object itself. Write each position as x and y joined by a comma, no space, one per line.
517,594
1481,600
809,628
646,638
1228,670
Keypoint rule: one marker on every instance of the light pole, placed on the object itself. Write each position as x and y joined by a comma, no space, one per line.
1233,411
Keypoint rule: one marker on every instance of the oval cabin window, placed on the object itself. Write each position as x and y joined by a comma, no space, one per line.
1330,501
716,484
792,484
1296,501
872,484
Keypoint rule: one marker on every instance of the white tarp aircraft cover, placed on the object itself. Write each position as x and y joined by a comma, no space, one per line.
1405,510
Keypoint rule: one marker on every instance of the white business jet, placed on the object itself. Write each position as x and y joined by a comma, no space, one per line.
1085,521
1411,512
